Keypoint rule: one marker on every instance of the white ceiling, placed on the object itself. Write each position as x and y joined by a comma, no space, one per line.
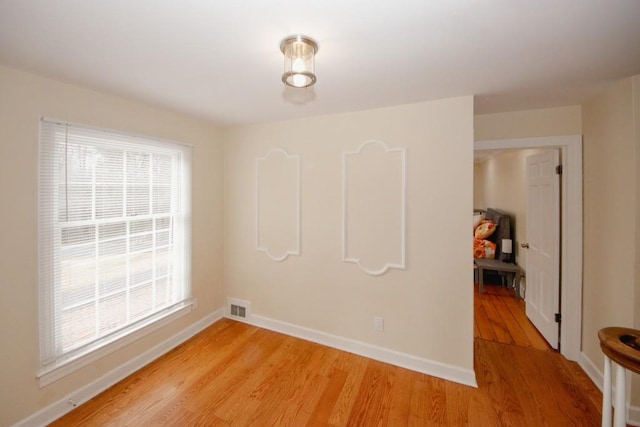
220,60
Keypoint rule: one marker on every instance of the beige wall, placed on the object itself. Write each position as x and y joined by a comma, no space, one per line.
317,289
23,99
530,123
635,384
610,215
502,178
611,295
478,186
636,119
611,278
427,309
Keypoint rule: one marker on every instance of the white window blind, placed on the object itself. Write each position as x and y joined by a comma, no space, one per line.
114,237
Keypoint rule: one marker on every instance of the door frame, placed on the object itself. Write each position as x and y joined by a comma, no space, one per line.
571,230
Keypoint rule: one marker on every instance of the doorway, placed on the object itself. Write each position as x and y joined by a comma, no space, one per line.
571,226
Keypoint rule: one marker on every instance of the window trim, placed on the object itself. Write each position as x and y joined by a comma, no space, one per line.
55,371
50,372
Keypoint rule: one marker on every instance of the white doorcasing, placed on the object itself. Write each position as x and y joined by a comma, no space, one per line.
571,225
543,239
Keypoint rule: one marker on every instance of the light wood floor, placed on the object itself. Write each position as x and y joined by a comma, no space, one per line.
233,374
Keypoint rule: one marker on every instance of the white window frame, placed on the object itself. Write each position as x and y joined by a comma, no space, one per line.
54,368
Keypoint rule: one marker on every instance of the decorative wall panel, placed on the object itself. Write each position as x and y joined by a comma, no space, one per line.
374,205
278,204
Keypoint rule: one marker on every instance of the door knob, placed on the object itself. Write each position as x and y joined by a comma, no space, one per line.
524,245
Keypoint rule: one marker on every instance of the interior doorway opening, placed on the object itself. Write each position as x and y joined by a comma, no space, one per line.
571,231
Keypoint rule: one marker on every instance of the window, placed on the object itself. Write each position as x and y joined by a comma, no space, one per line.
114,237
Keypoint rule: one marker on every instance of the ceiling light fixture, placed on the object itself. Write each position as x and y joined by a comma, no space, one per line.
299,67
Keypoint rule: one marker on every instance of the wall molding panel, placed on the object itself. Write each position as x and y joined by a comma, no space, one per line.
374,222
278,204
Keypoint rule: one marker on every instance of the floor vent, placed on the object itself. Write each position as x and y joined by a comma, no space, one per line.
238,309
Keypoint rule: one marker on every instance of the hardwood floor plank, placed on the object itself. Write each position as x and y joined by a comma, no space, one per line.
500,329
437,401
516,364
240,411
301,394
481,411
508,319
484,324
261,383
297,409
458,400
584,383
202,420
133,396
419,402
571,400
234,374
231,372
275,388
324,407
355,367
372,400
511,323
399,406
499,385
536,340
194,377
538,391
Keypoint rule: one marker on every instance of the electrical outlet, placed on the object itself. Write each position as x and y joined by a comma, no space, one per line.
378,324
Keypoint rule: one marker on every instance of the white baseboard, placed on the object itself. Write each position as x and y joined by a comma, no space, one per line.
80,396
633,412
633,416
425,366
591,370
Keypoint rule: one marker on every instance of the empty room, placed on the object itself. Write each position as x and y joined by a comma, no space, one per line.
260,213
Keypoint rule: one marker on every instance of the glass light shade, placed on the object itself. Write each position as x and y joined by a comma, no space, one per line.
299,66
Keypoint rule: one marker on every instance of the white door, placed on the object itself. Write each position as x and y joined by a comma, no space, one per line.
543,240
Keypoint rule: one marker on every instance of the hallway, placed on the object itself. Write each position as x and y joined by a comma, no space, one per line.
500,318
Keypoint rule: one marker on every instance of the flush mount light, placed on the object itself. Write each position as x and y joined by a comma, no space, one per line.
299,67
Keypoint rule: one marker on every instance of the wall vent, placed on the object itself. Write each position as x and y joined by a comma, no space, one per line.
238,309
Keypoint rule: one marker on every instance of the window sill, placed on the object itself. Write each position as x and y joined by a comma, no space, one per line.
50,374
